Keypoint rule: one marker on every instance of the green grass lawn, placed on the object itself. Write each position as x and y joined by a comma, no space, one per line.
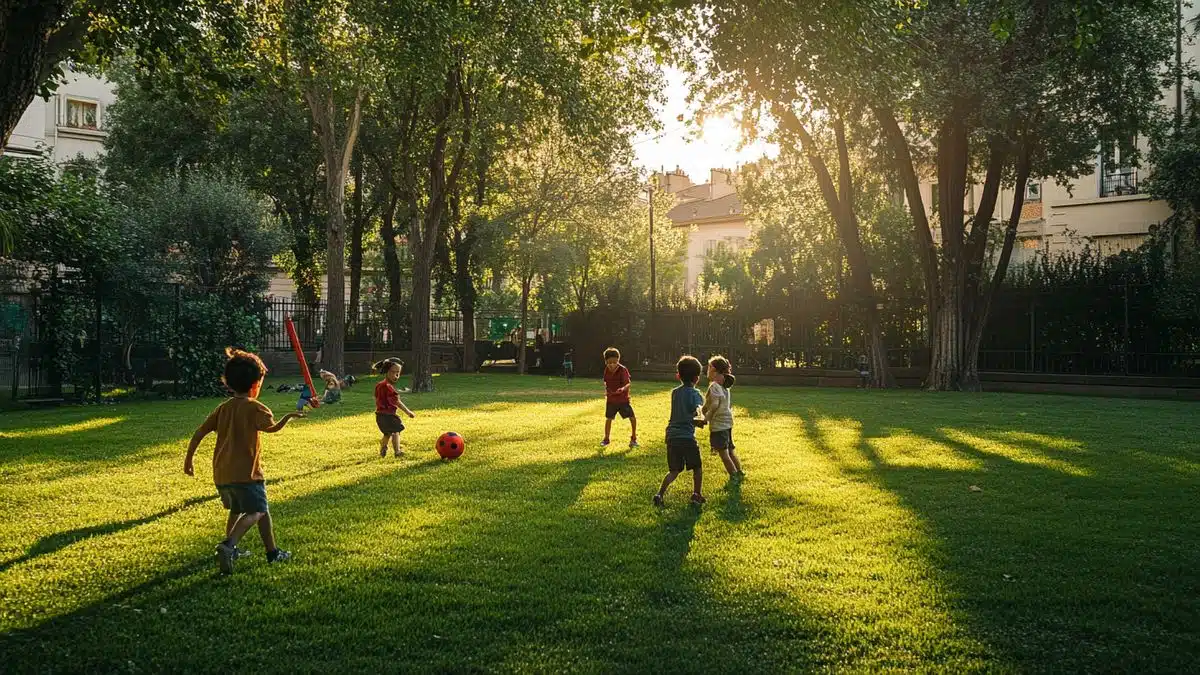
855,542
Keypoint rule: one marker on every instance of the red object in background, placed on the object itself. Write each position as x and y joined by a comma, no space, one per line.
315,401
450,445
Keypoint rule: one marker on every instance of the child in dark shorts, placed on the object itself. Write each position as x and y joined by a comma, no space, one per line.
718,412
388,405
683,453
237,470
616,396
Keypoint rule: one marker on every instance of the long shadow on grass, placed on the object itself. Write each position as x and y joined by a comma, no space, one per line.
1075,556
60,540
508,572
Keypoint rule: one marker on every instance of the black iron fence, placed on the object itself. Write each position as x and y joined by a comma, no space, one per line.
373,329
1121,330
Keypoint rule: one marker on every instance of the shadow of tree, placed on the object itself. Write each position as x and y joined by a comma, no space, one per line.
455,582
1072,555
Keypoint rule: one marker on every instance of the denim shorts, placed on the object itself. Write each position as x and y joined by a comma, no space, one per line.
721,440
244,497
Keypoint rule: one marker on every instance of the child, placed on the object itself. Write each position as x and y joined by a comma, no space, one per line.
616,387
718,412
387,403
237,470
569,365
682,450
333,387
305,398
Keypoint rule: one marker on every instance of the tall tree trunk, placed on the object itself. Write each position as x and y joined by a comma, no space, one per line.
334,347
427,229
422,356
337,153
464,283
33,40
952,323
948,368
391,266
522,359
983,310
840,200
357,226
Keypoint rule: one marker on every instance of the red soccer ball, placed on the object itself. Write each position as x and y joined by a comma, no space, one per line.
450,445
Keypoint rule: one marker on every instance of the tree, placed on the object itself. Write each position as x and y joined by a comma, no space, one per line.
609,251
553,187
39,37
166,122
1004,90
444,64
1176,177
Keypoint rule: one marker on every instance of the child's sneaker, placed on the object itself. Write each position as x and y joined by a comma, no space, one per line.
604,443
278,555
383,451
226,554
633,444
398,454
698,498
240,553
658,500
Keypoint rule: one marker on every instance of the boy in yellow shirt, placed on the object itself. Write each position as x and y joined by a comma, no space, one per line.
237,470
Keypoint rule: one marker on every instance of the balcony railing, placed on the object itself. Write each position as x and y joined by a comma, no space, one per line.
1123,181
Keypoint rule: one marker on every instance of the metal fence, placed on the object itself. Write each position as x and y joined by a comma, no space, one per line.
1119,330
371,328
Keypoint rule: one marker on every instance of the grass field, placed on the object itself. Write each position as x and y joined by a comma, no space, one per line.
855,542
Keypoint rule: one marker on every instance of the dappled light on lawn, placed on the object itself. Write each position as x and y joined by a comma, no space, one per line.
872,532
61,430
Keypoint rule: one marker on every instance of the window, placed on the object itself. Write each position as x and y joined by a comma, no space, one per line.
723,245
1114,244
1033,192
1118,175
82,114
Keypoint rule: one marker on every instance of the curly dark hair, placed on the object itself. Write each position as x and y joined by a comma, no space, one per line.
612,353
243,370
689,369
720,364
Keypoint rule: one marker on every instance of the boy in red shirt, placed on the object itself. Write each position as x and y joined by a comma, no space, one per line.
388,405
616,387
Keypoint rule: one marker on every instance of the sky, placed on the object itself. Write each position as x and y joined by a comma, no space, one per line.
715,146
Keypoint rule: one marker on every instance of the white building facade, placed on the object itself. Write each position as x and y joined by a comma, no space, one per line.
68,125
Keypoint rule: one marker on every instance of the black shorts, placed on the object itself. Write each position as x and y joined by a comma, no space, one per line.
721,440
611,411
388,424
683,453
